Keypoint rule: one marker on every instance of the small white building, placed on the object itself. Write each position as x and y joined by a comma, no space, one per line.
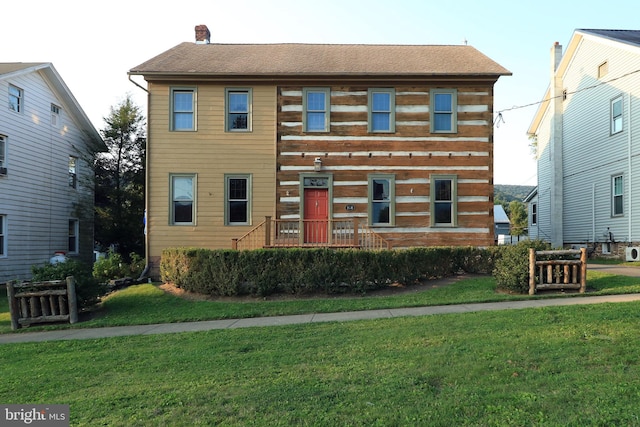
46,176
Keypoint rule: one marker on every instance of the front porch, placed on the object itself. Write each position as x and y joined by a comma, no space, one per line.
342,233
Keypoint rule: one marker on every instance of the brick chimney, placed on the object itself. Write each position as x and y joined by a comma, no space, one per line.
203,35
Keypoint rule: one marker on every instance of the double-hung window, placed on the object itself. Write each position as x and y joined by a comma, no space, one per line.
616,115
382,110
534,214
381,200
55,115
183,109
73,175
183,202
16,99
238,110
74,231
443,110
315,105
3,155
3,236
443,195
238,199
617,190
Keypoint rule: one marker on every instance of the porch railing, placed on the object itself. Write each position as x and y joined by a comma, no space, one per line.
332,233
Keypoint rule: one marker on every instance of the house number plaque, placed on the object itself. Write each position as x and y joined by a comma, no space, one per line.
350,207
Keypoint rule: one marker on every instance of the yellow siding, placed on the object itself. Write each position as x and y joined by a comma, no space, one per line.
210,153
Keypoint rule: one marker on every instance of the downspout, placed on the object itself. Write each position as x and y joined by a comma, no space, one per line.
147,267
593,213
629,180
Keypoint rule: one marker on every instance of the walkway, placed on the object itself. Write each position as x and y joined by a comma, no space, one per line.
119,331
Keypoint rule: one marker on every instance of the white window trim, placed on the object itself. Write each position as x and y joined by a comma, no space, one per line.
194,200
3,232
55,115
614,195
392,109
76,235
454,200
620,117
20,97
227,213
392,199
454,110
73,173
227,122
534,213
3,153
194,109
326,111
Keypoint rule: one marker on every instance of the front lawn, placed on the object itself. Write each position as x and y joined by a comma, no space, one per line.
569,366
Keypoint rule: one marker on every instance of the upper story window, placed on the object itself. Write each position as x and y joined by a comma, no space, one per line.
3,155
617,206
603,69
238,110
443,200
237,199
16,99
444,110
183,109
74,230
381,200
55,115
73,175
315,105
616,115
382,110
183,202
3,236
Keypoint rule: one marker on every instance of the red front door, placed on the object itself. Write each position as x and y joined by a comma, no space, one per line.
316,215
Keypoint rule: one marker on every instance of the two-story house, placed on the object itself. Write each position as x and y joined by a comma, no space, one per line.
316,138
587,134
46,186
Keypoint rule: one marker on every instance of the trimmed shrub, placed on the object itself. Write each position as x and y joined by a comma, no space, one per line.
512,265
113,266
88,289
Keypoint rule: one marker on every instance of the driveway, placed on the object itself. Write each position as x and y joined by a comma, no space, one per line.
620,269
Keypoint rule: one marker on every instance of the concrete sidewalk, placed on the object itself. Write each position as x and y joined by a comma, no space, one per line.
94,333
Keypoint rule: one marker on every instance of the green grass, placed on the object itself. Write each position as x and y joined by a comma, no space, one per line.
147,304
557,366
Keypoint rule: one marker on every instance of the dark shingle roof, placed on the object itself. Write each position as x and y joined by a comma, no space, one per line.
320,60
625,36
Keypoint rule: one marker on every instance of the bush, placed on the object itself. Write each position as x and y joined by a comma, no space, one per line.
512,265
301,271
113,266
88,289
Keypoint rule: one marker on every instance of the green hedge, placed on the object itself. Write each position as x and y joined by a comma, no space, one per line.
305,271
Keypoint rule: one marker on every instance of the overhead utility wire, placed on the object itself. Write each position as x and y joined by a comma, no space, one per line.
499,118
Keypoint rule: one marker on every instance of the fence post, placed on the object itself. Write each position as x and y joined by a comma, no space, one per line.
532,271
13,306
356,238
267,231
234,244
583,270
73,302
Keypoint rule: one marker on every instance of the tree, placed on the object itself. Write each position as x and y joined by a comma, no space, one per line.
518,217
120,177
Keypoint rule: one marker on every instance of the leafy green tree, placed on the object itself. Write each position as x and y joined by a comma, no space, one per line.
518,217
120,177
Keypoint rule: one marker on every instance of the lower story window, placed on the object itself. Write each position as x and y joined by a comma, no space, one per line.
381,200
183,199
237,199
443,201
617,206
3,235
73,236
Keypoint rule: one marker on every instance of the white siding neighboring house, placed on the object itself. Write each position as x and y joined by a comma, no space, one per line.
46,179
587,130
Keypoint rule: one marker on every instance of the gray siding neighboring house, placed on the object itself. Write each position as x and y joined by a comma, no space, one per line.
587,130
501,221
46,179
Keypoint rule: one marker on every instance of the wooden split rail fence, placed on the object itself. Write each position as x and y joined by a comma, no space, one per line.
42,302
558,273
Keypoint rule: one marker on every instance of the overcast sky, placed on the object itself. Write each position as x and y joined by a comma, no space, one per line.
94,44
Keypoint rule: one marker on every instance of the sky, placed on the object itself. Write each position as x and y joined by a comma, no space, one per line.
93,45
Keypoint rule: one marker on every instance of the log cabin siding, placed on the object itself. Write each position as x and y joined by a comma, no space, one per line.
412,154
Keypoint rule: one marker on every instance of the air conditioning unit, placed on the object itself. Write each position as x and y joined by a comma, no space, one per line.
3,171
633,253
